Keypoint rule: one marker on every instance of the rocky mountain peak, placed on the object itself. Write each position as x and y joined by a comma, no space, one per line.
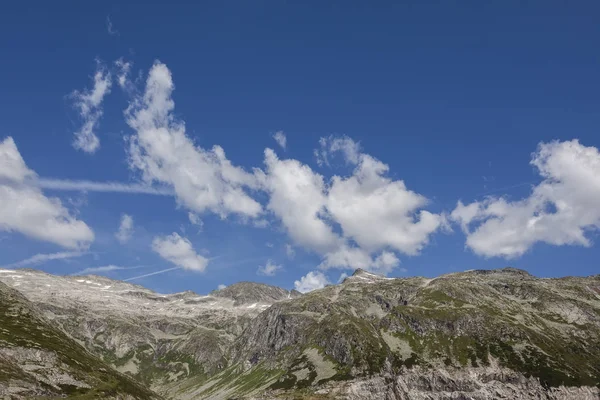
503,271
364,276
252,292
360,271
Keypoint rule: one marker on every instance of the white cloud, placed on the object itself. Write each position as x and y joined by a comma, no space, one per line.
105,268
297,197
289,251
42,258
269,269
25,209
162,271
107,187
125,229
343,276
260,223
221,286
12,165
561,210
179,251
312,281
280,138
332,144
195,220
123,70
203,180
355,257
269,245
89,105
110,28
377,213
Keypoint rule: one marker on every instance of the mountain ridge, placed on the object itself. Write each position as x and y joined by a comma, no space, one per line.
501,331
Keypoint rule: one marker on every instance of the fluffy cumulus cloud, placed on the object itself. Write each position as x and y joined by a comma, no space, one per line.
89,105
179,251
25,209
375,215
281,139
312,281
269,269
355,257
561,210
125,229
379,213
203,180
360,220
297,197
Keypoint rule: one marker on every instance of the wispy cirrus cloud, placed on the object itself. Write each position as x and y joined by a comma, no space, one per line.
151,274
269,269
42,258
110,28
105,268
108,187
281,139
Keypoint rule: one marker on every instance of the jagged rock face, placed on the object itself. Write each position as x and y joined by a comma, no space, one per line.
37,359
477,334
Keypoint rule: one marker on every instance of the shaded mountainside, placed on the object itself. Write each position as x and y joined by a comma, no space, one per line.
37,359
476,334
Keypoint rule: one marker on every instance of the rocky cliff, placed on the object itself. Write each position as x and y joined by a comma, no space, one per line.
476,334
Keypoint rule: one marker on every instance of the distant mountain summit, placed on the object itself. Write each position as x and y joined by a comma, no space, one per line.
477,334
361,275
251,292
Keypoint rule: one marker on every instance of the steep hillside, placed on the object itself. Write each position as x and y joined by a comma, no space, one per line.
37,359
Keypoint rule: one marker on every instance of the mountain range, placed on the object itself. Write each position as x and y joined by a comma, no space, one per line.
478,334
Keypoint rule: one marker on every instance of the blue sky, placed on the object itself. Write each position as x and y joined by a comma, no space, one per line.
480,104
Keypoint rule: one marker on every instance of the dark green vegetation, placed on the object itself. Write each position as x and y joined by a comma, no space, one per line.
63,367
